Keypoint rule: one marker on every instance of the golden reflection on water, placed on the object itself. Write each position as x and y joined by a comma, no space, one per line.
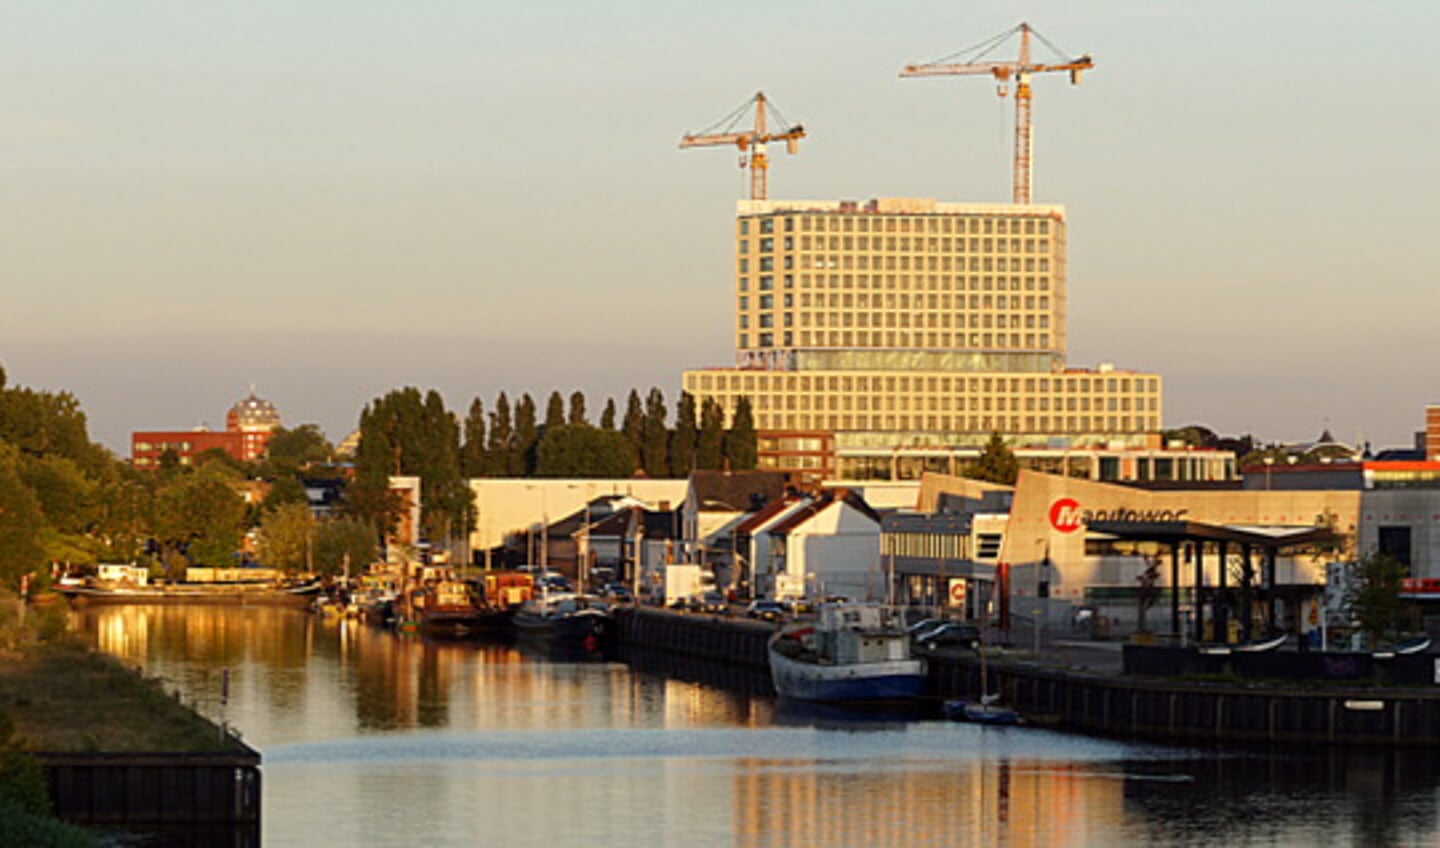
297,680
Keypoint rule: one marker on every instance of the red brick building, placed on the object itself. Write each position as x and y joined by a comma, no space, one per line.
248,426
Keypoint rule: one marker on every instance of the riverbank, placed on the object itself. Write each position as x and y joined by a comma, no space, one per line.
61,696
85,740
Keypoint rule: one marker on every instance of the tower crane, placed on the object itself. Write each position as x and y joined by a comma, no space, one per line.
971,61
751,142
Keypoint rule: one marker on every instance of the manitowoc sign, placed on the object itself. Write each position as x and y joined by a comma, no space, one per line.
1067,516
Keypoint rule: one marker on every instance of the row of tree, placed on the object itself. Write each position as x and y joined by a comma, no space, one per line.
64,499
407,433
511,442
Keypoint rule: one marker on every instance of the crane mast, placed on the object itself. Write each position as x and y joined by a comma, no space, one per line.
751,142
1021,71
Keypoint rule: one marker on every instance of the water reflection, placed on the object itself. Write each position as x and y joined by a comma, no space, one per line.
372,738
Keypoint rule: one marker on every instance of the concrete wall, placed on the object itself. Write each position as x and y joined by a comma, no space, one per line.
1417,509
508,505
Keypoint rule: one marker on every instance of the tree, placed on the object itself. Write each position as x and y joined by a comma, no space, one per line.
997,463
298,449
286,490
577,408
527,435
1372,598
683,440
201,516
655,437
740,447
580,450
473,459
342,537
607,418
554,410
21,522
633,425
286,537
710,446
500,444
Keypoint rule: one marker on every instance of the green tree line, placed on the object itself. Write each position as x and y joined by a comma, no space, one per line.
410,433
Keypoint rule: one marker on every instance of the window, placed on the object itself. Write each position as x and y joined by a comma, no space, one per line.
1395,543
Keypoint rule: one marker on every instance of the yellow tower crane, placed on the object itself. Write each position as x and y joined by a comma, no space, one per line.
974,63
751,142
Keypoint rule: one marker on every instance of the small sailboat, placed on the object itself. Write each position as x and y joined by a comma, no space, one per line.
986,709
1256,646
1405,647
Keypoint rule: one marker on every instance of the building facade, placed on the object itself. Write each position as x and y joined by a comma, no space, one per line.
248,427
909,322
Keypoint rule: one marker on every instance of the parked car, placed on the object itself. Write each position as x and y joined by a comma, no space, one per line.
765,610
923,626
554,583
714,602
951,633
618,593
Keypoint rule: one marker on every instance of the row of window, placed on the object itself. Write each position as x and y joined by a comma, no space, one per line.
939,224
921,303
894,339
926,545
904,245
900,282
978,425
750,381
987,403
161,447
864,262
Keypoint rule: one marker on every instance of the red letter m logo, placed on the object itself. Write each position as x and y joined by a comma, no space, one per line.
1065,515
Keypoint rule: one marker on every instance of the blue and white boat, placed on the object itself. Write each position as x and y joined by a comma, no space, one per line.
853,653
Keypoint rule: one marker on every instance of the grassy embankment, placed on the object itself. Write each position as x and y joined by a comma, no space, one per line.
61,696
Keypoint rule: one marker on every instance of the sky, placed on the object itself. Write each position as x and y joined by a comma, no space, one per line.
328,200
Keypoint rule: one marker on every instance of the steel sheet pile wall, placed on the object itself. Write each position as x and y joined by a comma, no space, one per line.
211,797
1202,712
701,636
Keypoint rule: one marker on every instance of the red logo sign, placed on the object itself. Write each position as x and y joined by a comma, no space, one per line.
1065,515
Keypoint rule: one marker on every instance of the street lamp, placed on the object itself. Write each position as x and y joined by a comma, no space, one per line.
1269,461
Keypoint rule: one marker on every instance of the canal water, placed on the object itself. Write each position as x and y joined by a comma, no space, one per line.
370,738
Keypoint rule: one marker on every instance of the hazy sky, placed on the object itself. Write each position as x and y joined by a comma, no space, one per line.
333,199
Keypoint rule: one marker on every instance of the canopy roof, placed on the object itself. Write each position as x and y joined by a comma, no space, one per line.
1199,531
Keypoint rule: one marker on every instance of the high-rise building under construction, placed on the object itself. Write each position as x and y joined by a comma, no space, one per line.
906,326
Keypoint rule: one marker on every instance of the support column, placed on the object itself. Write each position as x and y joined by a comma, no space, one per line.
1221,619
1197,601
1175,590
1270,591
1247,596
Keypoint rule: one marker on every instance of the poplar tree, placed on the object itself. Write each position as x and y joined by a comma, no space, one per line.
554,411
655,438
527,434
580,450
501,441
473,461
683,440
634,425
577,408
607,418
710,447
740,439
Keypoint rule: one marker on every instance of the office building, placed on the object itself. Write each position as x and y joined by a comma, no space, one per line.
909,323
